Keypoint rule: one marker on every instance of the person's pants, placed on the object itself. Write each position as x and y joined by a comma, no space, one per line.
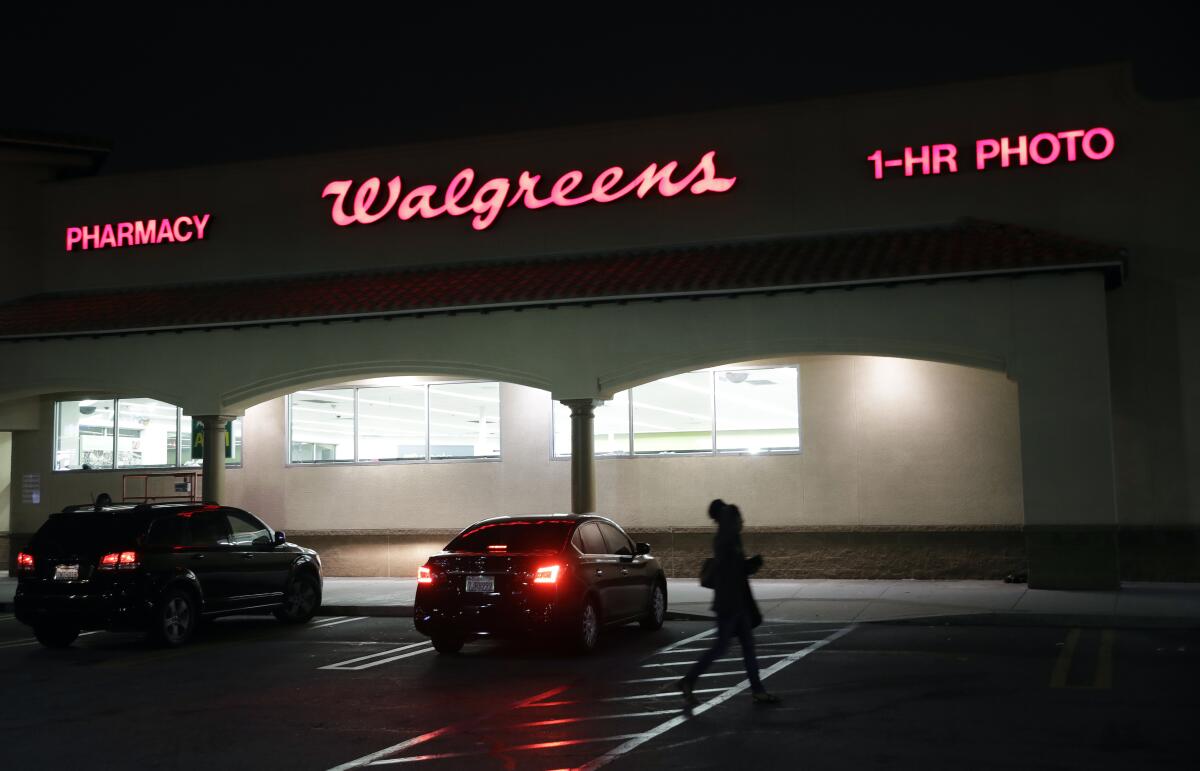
729,626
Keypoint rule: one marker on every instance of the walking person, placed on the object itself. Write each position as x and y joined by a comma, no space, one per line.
737,612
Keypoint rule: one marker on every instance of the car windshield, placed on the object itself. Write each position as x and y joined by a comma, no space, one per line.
88,531
521,535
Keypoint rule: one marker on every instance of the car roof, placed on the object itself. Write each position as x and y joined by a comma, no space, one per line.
590,516
136,508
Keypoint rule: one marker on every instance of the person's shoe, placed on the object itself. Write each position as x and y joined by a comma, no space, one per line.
689,698
763,697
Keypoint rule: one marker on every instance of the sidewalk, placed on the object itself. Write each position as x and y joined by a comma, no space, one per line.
861,601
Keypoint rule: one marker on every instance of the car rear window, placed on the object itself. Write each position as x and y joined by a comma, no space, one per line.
88,531
514,536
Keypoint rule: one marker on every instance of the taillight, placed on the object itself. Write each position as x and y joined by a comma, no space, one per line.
24,561
424,576
119,560
546,575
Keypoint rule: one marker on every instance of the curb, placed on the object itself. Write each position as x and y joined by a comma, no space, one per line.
371,611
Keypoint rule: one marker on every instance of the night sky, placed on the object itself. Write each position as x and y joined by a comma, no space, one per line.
178,86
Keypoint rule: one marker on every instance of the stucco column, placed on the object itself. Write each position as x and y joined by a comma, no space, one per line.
583,455
1060,363
214,456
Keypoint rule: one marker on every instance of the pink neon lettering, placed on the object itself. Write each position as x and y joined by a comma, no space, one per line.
1110,144
455,190
201,221
490,199
985,150
604,183
418,202
92,233
164,232
108,237
179,231
1043,138
124,234
945,154
565,184
1021,151
145,231
910,161
74,236
1071,136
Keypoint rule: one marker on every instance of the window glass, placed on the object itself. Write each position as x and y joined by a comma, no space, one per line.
610,427
593,542
146,433
673,415
616,541
518,535
577,539
391,423
84,435
169,531
464,420
757,410
322,425
246,529
209,528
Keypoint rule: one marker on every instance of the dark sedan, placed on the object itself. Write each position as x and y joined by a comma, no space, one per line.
564,574
159,568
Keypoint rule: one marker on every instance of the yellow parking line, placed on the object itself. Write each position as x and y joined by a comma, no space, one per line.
1062,667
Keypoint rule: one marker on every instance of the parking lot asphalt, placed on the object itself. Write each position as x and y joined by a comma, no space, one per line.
355,692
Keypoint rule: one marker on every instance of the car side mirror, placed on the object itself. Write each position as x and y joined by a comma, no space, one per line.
641,548
280,537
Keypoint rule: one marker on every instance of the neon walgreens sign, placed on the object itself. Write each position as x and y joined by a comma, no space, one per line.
173,230
500,193
1042,149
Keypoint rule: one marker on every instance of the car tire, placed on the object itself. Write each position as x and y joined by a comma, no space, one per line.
586,636
54,635
175,618
657,612
301,600
448,644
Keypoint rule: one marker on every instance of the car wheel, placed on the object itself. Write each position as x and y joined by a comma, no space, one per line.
55,635
448,644
658,609
175,618
587,631
300,602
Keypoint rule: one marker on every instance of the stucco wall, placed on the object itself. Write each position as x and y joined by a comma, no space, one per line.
886,442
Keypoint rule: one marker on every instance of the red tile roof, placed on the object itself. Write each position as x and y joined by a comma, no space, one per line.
966,249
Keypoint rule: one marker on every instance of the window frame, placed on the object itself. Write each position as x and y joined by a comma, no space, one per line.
713,452
115,468
287,448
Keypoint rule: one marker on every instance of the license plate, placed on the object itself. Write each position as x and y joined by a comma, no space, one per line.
481,584
66,572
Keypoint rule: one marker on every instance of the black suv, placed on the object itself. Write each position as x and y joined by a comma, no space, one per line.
161,568
559,573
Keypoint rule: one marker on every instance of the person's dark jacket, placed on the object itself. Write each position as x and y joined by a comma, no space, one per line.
731,586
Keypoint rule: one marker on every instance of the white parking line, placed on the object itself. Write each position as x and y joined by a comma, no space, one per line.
725,696
502,750
425,737
374,658
659,695
33,640
590,718
676,677
757,645
687,662
335,623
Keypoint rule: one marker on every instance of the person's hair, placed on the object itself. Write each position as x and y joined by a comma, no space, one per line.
715,509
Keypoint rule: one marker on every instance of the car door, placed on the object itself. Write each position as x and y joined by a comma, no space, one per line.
632,581
210,557
599,568
260,571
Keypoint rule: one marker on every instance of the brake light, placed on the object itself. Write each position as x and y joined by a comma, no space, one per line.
24,561
424,576
119,560
497,547
546,575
